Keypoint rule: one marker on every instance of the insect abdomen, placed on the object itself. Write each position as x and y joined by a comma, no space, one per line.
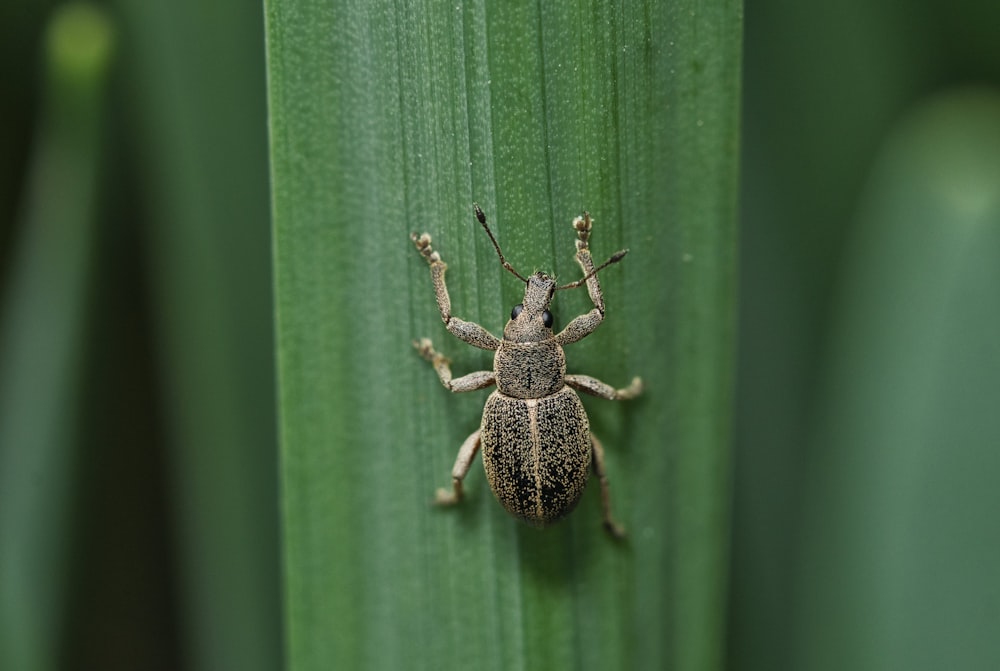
536,453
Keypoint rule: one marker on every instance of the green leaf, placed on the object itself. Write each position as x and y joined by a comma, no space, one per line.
390,119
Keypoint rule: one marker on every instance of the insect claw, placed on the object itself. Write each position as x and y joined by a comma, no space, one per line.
615,530
443,497
423,244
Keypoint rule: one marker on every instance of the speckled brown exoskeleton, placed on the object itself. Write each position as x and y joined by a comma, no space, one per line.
535,436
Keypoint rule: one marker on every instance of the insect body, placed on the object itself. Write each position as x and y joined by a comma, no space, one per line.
535,438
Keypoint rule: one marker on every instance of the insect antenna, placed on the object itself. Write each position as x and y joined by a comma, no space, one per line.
482,220
615,258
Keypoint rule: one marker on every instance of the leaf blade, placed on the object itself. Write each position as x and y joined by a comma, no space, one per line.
482,104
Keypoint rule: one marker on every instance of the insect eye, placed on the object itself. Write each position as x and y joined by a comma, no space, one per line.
547,319
516,311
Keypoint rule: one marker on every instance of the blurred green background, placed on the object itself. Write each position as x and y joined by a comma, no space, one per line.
138,516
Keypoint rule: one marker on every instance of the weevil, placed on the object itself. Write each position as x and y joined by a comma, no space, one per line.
535,437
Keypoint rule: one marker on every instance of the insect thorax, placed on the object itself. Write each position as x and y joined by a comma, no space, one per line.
529,370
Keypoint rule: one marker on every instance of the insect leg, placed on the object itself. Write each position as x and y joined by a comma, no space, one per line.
594,387
612,527
470,332
462,463
586,261
442,366
585,324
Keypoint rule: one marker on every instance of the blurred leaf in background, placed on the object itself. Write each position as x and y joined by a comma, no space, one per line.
158,545
22,23
195,86
43,321
900,541
825,86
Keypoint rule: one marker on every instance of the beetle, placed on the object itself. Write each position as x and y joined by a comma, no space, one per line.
535,437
